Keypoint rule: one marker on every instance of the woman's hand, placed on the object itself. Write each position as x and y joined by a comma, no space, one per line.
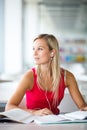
84,108
42,112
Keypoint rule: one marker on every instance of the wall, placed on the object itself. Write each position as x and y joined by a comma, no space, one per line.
1,35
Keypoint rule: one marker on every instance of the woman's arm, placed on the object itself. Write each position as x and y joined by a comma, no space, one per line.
72,86
25,83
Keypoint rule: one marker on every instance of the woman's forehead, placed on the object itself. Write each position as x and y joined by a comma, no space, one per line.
40,42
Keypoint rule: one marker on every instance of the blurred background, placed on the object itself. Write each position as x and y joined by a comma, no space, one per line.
22,20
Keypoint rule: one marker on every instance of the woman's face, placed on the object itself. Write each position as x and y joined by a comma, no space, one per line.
41,52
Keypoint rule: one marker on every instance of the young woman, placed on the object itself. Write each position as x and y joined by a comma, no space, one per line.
44,84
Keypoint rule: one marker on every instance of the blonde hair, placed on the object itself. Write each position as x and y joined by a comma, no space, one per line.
52,43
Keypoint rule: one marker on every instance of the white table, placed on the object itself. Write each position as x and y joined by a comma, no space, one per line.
32,126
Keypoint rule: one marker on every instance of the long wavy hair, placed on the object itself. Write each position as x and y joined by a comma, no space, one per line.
54,67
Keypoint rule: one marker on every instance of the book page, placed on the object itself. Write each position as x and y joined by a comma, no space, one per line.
50,119
77,115
73,117
18,115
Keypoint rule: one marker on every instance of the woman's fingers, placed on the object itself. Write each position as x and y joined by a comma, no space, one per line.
42,112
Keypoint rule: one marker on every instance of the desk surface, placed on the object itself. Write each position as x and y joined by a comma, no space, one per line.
32,126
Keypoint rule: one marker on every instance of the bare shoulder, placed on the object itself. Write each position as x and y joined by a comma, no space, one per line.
27,79
69,74
28,74
70,78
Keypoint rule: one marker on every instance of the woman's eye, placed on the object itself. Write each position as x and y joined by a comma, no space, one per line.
37,48
33,48
40,48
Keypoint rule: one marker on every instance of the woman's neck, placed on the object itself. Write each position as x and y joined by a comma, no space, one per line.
45,78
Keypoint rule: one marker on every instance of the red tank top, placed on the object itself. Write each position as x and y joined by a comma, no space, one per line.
38,98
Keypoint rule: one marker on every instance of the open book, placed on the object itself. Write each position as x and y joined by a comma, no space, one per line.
16,115
73,117
21,116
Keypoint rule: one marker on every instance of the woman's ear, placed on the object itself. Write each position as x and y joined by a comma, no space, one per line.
53,53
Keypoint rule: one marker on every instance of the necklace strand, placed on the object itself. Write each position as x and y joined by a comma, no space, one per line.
47,100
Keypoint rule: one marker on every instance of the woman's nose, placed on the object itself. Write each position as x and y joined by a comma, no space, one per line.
35,52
